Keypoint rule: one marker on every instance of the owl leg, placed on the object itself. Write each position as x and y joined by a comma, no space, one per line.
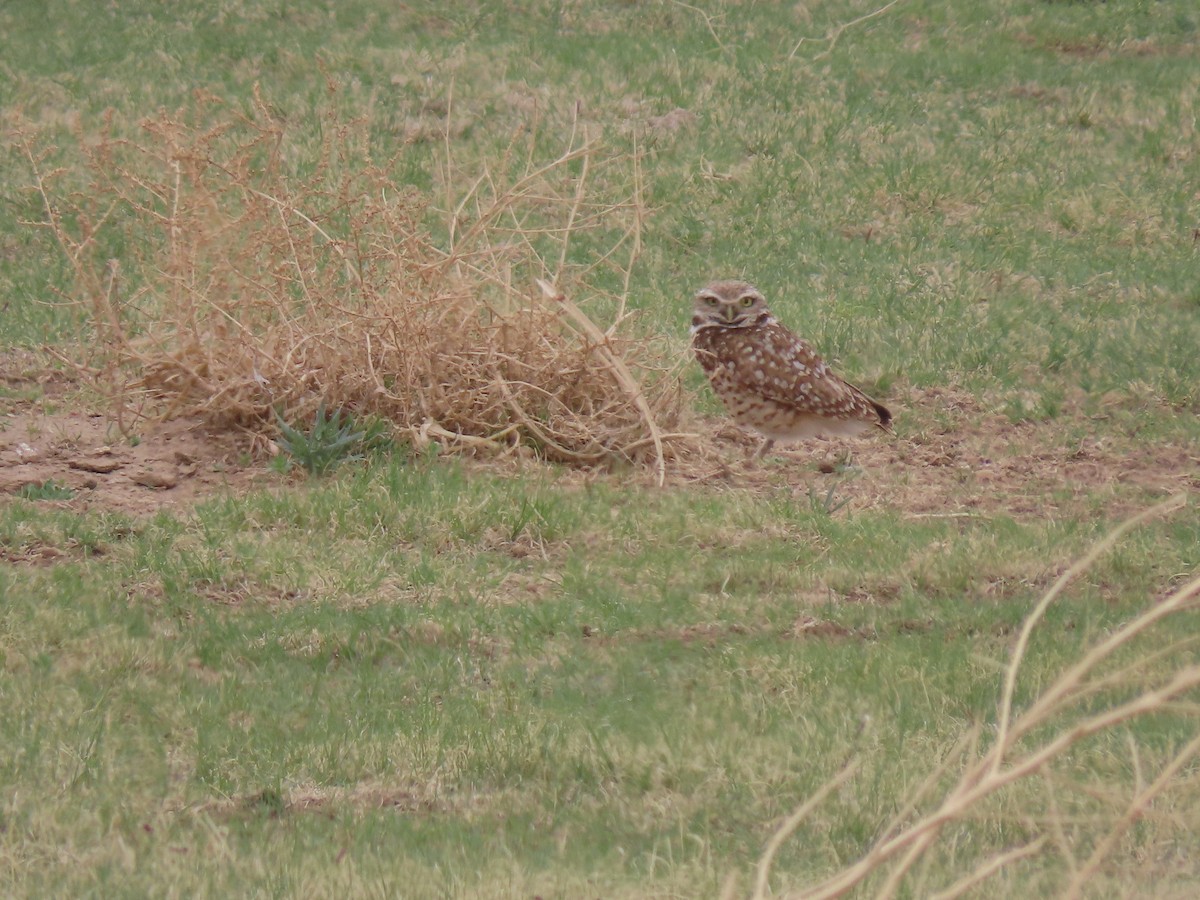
766,445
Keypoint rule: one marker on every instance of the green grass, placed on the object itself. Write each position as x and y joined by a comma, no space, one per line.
47,490
424,677
520,684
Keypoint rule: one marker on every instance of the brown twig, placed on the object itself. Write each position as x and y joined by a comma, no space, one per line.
835,33
618,370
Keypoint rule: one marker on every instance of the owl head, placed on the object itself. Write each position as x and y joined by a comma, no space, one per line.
728,304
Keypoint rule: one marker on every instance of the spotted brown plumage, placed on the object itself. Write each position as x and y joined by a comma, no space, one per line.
771,381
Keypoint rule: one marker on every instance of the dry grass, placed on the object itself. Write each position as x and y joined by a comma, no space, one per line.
1027,744
224,279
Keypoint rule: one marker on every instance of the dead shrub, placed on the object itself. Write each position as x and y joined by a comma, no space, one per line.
230,270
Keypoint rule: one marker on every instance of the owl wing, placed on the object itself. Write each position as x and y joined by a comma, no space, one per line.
777,365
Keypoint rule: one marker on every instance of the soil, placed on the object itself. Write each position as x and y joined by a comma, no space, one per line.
173,464
973,463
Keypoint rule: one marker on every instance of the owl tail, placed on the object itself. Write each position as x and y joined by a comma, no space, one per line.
885,416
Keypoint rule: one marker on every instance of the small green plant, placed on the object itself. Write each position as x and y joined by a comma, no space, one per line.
47,490
845,465
333,439
376,434
825,504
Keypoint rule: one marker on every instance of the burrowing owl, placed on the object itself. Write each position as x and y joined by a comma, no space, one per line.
771,381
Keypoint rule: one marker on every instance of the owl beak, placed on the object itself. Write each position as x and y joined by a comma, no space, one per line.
730,313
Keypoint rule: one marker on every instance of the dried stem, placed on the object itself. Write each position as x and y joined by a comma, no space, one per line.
901,848
835,33
792,822
1140,803
620,372
990,868
1031,621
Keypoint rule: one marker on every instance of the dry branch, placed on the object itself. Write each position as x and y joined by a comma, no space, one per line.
1007,761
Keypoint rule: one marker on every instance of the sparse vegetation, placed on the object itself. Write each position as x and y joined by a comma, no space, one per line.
826,503
46,490
504,662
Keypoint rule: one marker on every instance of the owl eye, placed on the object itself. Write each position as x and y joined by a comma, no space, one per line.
711,301
747,302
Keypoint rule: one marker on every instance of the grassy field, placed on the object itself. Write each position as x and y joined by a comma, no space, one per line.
431,675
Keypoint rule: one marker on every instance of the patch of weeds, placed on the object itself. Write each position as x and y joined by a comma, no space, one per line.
846,470
47,490
23,393
333,439
826,504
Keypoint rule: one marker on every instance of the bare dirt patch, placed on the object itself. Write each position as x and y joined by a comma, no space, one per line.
975,463
981,462
409,799
170,464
